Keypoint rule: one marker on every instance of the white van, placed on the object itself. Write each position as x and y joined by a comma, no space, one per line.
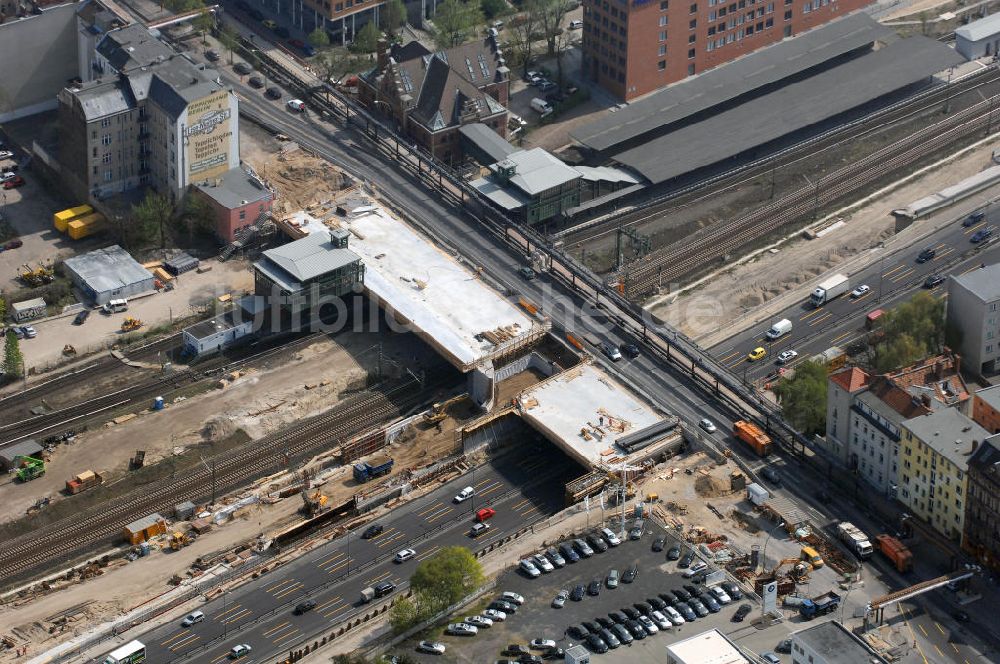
541,106
115,306
781,328
575,25
296,105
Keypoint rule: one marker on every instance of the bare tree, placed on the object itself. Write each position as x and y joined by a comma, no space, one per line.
551,14
520,31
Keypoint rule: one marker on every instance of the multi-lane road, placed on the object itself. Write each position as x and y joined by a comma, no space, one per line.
522,487
891,277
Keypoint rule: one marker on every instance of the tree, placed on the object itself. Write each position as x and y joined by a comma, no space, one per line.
404,615
229,39
550,16
493,8
910,332
446,577
366,41
393,16
13,361
333,63
803,397
453,19
520,32
151,215
318,38
198,216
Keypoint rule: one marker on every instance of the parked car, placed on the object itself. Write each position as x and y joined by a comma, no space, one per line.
496,615
462,629
212,55
559,601
596,644
594,588
480,622
610,537
596,543
242,68
7,175
512,597
555,557
542,563
659,543
529,569
630,574
557,654
609,638
618,617
770,657
695,567
578,592
542,644
660,620
372,530
29,331
674,552
732,590
583,548
686,611
638,528
81,317
613,579
630,612
784,646
710,602
673,615
656,603
14,182
569,552
578,632
698,607
669,597
721,595
648,625
636,629
432,647
741,613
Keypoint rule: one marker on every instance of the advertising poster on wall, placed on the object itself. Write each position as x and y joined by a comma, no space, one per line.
208,135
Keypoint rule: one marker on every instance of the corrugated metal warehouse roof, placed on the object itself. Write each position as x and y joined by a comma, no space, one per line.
789,109
108,269
731,80
981,29
305,259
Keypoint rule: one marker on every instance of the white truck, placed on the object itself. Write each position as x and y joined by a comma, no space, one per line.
539,105
833,287
855,539
779,329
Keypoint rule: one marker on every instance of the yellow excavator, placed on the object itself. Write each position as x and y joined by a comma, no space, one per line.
179,540
439,410
130,324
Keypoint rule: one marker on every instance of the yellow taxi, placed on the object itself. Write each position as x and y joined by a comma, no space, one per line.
756,354
270,24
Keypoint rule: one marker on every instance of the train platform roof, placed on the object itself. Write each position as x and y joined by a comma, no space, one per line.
443,301
586,413
727,82
792,108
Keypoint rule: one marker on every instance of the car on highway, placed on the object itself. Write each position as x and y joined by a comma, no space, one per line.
579,590
529,569
542,563
860,290
431,647
478,621
296,105
630,351
611,351
404,555
927,254
757,353
81,317
496,615
786,356
973,218
933,280
566,548
485,513
242,68
559,601
383,588
541,644
273,93
462,629
610,537
594,588
304,607
555,556
478,529
14,182
256,81
242,650
674,552
982,235
372,530
613,578
770,657
708,425
192,618
465,494
630,574
771,475
741,613
526,273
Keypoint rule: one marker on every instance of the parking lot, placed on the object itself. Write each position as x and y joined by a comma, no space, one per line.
536,618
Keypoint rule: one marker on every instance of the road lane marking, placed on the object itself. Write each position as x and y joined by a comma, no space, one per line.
729,357
237,617
858,299
821,319
903,275
973,229
183,643
438,515
227,611
328,602
433,507
395,537
275,629
906,618
429,552
292,632
845,334
940,629
923,630
944,253
175,636
901,266
221,657
289,590
376,579
810,314
953,646
336,610
282,583
938,650
516,505
331,559
341,564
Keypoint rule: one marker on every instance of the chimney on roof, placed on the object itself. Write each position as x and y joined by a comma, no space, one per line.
939,368
975,445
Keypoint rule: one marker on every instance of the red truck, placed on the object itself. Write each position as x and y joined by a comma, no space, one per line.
895,551
754,436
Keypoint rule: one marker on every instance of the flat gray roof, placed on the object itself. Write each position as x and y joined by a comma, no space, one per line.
983,283
537,170
108,269
235,188
487,140
948,432
835,644
728,81
212,326
307,258
789,109
507,198
991,395
981,29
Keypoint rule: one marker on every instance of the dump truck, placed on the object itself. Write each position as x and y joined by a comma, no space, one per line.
366,470
88,479
819,606
895,551
754,436
855,539
833,287
29,468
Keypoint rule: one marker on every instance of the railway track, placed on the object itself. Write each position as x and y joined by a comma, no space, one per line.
97,527
673,263
680,199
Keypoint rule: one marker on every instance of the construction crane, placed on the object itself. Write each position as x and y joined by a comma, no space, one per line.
29,468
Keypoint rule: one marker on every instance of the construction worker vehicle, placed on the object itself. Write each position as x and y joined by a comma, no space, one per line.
179,540
130,324
35,277
439,410
29,468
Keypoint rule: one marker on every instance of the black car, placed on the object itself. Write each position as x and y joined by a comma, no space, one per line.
741,613
974,219
700,577
618,617
659,543
384,588
606,623
681,594
256,81
578,632
698,607
926,255
686,561
500,605
630,574
732,590
591,626
636,629
771,475
242,68
630,350
669,597
694,591
594,588
656,603
674,552
784,646
710,602
569,553
515,649
578,592
81,317
933,280
643,608
622,633
304,607
630,612
528,658
272,93
609,638
597,543
554,653
686,611
596,644
981,235
372,530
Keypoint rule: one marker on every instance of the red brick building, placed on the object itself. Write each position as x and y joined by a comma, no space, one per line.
429,96
633,48
986,408
238,198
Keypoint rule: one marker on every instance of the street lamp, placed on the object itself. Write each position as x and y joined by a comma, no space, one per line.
763,554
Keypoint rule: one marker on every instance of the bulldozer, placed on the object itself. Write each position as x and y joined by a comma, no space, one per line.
179,540
130,324
438,411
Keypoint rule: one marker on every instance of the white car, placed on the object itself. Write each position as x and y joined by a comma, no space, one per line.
6,154
404,555
860,290
648,624
721,595
433,647
529,568
7,176
542,644
542,563
660,620
192,618
465,494
708,425
239,651
494,615
29,331
610,536
673,615
786,356
296,105
478,621
696,567
462,629
512,597
560,600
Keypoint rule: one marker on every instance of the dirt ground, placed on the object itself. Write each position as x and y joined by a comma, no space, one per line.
737,297
260,402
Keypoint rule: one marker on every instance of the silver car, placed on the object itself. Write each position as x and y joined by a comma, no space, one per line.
559,601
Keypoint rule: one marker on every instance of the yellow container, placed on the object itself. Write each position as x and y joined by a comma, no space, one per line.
81,228
62,218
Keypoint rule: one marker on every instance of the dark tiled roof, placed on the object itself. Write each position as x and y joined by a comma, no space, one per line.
445,96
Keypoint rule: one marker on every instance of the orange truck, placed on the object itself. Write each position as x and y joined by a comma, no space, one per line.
895,551
754,436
